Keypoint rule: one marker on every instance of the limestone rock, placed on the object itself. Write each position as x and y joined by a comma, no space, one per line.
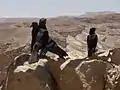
25,76
73,74
3,62
112,78
69,79
91,74
84,75
116,56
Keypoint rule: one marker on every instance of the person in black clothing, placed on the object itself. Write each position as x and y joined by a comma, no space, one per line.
34,33
92,40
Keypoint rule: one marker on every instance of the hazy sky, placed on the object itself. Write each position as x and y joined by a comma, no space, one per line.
47,8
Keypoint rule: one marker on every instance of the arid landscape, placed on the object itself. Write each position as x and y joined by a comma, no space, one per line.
101,72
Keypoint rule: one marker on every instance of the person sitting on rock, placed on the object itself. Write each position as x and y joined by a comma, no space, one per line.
34,33
92,40
44,43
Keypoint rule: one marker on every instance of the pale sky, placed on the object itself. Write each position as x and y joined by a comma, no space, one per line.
48,8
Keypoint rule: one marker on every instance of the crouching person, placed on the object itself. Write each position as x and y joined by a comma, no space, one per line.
92,40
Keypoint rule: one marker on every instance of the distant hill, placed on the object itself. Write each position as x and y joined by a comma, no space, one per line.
92,14
13,20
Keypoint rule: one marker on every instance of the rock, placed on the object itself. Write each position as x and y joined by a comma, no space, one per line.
82,37
112,78
97,73
69,79
21,59
26,81
75,49
4,61
117,85
116,56
117,43
84,75
108,42
91,74
25,76
105,53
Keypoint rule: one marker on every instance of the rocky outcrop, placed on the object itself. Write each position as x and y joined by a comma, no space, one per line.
24,76
101,72
97,73
115,56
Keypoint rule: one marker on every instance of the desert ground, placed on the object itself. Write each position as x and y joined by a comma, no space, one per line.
70,33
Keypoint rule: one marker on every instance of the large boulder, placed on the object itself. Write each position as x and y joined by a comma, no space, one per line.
24,76
70,80
4,61
84,75
91,74
97,73
116,56
112,78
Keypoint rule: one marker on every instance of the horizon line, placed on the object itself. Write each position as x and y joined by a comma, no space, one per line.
61,15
